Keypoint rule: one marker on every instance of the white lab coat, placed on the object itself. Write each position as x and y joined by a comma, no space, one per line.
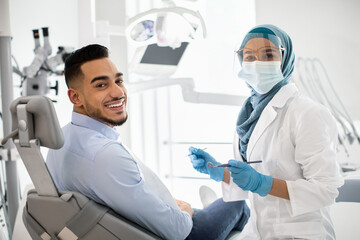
296,140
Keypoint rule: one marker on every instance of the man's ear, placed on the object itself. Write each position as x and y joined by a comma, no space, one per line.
75,97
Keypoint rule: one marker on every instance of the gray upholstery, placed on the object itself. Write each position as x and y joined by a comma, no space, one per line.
54,213
350,191
46,126
50,214
35,120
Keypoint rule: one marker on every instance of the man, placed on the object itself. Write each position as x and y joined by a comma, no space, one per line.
95,163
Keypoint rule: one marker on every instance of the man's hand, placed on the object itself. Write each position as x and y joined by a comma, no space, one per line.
184,206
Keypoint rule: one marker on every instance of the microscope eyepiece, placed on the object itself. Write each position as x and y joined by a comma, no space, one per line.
45,31
35,33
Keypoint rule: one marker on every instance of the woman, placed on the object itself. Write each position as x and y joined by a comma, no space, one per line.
296,182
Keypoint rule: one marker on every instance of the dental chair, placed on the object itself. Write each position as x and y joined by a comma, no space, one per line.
350,191
50,214
345,212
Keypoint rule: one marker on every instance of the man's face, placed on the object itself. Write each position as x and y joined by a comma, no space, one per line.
102,95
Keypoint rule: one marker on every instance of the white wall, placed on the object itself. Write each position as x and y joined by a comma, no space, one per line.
61,18
326,29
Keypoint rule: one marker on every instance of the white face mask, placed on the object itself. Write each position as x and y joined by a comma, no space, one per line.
261,76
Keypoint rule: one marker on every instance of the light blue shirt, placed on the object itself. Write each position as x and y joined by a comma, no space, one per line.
94,163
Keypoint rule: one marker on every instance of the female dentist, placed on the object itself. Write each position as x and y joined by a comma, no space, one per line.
291,190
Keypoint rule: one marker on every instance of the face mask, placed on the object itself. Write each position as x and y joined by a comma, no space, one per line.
261,76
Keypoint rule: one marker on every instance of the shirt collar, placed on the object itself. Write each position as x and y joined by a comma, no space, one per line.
88,122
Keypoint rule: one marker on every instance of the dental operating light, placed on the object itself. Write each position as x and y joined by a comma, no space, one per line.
167,27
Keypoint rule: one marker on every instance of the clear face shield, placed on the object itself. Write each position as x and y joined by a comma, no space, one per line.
260,60
261,48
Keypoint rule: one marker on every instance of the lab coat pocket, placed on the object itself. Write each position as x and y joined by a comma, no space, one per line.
302,230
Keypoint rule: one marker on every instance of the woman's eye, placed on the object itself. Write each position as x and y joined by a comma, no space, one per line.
249,58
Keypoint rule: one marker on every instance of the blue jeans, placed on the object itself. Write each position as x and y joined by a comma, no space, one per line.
218,219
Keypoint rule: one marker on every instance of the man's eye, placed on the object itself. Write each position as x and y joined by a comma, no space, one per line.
100,85
119,81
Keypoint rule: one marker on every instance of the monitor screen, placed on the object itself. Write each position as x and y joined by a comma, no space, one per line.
163,55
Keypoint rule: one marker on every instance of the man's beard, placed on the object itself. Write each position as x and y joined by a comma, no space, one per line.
112,122
96,114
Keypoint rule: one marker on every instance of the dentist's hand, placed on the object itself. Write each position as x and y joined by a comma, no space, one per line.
248,178
199,160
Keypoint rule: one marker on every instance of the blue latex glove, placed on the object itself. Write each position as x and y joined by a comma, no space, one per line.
199,159
249,179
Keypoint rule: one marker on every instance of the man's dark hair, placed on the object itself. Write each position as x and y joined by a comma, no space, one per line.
79,57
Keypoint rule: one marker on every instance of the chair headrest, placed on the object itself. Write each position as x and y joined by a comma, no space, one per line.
46,127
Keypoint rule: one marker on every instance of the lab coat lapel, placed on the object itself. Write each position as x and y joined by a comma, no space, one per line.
269,114
266,118
237,154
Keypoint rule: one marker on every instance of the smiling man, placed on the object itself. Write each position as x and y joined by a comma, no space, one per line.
94,162
101,95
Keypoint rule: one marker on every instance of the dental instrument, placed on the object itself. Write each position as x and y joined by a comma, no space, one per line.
211,165
191,153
